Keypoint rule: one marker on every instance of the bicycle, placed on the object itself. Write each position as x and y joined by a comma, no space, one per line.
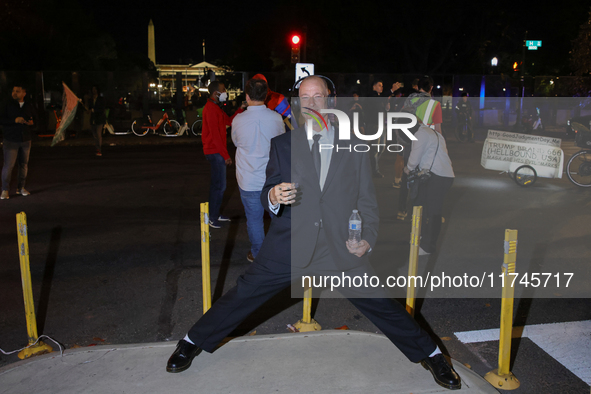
108,127
463,129
170,126
195,127
578,168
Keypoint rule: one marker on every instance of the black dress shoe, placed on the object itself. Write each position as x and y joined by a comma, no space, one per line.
443,373
182,357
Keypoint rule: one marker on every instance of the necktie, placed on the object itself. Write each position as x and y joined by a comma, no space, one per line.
316,154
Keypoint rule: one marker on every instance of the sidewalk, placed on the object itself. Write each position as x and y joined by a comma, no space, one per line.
318,362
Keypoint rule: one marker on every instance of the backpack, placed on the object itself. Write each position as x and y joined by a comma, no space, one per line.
411,104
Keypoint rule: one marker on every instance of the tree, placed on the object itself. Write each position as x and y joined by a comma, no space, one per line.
581,51
53,35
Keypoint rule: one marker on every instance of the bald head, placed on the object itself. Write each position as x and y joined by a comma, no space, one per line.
313,84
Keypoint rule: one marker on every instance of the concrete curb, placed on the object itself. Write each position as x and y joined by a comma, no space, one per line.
318,362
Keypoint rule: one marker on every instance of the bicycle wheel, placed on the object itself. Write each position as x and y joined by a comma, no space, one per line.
196,127
578,168
171,127
525,176
137,128
462,132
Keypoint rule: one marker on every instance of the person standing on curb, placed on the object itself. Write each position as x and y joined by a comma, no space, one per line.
16,118
306,237
214,136
252,131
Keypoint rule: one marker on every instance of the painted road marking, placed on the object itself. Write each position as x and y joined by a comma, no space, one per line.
568,343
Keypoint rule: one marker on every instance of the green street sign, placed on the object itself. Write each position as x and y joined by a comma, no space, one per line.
533,45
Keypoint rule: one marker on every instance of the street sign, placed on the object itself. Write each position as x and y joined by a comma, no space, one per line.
533,45
303,70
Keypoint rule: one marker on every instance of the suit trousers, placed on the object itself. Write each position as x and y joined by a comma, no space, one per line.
265,278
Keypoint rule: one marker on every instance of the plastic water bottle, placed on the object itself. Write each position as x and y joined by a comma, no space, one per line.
355,227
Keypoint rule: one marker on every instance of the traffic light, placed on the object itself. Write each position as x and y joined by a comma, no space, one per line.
295,42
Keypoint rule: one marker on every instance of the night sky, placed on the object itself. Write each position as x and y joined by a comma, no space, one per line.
343,36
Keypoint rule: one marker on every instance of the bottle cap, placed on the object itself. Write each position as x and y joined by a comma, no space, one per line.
355,211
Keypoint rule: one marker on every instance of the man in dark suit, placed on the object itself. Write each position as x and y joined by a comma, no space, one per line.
310,193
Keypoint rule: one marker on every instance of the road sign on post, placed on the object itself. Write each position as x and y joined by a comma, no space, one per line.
303,70
533,45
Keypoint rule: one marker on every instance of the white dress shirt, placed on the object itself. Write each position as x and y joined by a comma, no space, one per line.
326,137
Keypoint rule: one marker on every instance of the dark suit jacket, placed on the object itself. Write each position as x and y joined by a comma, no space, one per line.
294,230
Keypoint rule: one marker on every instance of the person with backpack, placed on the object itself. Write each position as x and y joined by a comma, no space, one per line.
427,109
429,155
428,112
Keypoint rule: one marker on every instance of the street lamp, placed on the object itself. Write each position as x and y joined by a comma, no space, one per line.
494,62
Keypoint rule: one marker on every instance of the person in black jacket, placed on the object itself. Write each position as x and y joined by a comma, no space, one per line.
97,118
16,118
308,236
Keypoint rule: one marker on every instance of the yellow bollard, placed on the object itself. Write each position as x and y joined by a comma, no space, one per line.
307,323
205,266
23,248
502,377
413,259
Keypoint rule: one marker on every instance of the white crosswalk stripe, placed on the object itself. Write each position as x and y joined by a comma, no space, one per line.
568,343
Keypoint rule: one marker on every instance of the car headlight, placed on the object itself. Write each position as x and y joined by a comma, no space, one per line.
568,122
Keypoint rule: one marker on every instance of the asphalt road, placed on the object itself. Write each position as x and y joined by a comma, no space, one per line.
115,253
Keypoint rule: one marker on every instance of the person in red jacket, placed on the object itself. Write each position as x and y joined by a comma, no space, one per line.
215,122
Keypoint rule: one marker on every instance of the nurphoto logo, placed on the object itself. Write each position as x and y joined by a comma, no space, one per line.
345,129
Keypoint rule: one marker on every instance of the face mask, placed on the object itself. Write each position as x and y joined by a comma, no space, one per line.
223,97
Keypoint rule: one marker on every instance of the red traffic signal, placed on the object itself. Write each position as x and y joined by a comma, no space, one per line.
295,42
